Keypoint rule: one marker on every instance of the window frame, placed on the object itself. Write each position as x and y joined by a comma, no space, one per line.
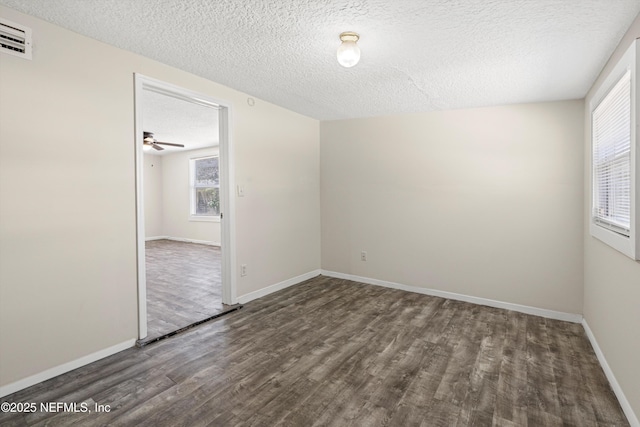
193,216
627,245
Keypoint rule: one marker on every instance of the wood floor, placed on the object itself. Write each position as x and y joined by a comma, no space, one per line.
184,285
334,352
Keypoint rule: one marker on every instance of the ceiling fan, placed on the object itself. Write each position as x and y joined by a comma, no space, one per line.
150,141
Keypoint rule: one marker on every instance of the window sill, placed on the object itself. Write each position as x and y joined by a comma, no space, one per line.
194,218
621,243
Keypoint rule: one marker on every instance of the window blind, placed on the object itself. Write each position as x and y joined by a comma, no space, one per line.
611,130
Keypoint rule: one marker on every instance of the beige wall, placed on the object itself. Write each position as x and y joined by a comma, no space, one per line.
279,216
152,195
176,199
167,198
67,189
483,202
611,279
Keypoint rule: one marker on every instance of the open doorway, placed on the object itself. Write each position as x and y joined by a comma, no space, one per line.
184,208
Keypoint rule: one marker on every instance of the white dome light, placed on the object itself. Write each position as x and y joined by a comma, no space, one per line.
348,52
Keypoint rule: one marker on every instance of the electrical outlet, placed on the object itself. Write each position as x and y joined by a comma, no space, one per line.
243,270
363,256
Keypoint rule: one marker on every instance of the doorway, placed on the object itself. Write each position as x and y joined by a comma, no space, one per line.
185,209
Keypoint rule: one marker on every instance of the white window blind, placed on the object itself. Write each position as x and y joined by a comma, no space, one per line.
611,130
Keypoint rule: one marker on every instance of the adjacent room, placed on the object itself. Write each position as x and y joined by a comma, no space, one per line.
181,203
334,213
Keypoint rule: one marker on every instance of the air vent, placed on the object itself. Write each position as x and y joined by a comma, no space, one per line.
15,39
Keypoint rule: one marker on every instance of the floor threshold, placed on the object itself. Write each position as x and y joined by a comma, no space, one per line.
144,342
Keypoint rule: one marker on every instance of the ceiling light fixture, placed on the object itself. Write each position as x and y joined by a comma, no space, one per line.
348,51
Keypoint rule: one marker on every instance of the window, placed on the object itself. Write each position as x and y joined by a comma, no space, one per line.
205,188
614,158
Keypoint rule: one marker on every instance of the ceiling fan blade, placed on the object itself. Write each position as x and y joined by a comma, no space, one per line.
170,143
157,147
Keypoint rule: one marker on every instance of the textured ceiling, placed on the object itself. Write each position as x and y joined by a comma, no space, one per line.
417,55
177,121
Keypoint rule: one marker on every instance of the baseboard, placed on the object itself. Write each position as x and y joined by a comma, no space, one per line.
201,242
65,367
558,315
624,403
183,239
277,287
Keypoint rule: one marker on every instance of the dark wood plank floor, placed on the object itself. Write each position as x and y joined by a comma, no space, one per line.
184,285
334,352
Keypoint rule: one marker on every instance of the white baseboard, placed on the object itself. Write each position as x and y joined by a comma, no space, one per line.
277,287
201,242
183,239
65,367
558,315
624,403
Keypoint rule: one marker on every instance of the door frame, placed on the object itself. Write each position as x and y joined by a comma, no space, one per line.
227,185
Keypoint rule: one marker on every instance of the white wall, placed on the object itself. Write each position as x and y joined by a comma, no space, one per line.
152,195
612,280
67,188
482,202
176,199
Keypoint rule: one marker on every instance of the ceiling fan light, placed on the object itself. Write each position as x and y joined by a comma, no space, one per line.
348,52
